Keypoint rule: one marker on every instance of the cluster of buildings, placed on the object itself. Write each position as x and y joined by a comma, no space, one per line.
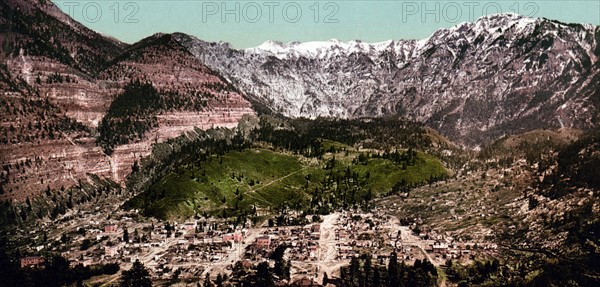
166,249
195,247
33,262
302,242
448,248
360,233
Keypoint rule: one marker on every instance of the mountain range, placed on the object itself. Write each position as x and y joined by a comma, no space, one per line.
76,103
474,82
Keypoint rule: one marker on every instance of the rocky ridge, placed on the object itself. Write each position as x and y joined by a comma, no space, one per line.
58,80
475,82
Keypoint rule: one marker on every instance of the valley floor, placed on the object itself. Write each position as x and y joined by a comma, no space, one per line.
200,247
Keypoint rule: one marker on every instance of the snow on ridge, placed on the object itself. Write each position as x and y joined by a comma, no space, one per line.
492,26
319,49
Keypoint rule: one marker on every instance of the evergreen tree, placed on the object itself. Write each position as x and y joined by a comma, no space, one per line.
282,267
355,273
220,280
137,276
376,277
136,167
207,282
367,271
264,278
393,271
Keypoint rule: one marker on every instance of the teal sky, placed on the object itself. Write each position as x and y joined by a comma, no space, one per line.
250,23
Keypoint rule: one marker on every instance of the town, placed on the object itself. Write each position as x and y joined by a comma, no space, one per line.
188,251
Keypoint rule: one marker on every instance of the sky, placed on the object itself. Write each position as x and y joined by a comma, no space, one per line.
249,23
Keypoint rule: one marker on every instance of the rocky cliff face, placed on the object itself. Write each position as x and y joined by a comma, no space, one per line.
190,95
58,79
39,28
474,82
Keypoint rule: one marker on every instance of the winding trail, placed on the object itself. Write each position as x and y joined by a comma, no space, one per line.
276,180
250,192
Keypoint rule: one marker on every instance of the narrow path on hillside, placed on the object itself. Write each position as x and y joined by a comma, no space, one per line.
276,180
249,193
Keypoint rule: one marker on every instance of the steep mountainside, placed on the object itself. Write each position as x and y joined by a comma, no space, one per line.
474,82
58,81
56,56
51,100
39,29
175,93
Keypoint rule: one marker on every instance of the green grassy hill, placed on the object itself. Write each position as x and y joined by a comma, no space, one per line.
240,181
213,184
384,174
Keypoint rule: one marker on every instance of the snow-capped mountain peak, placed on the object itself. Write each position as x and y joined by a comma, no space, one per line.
501,74
317,49
491,25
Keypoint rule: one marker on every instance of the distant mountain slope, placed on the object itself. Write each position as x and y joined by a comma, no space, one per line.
57,56
475,82
185,82
58,81
39,28
51,99
186,94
